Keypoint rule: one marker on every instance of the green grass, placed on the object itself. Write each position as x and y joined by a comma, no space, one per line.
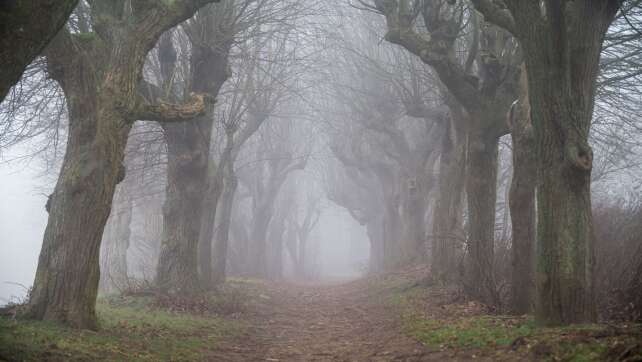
506,337
472,332
129,330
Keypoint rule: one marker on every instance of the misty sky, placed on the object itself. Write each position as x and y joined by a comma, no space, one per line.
342,243
22,224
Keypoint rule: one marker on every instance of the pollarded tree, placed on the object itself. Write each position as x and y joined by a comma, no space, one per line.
210,35
357,190
194,183
562,43
377,87
485,95
264,182
100,72
257,91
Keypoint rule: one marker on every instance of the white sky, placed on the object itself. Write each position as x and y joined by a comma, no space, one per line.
22,224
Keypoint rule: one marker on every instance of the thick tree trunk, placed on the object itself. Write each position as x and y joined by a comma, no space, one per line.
66,283
100,75
208,222
522,212
186,184
223,229
481,189
113,258
565,232
189,147
448,214
562,58
522,203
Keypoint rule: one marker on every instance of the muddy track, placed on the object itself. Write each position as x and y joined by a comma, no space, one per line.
325,323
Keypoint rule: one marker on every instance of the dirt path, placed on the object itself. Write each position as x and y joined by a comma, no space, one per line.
327,323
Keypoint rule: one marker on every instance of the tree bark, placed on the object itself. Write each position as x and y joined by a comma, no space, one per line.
182,214
115,242
189,144
481,190
522,203
66,282
562,54
100,75
223,229
206,258
448,214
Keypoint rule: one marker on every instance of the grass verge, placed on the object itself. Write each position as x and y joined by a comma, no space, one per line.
130,329
466,329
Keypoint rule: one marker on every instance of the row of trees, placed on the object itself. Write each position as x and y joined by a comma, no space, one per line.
121,62
411,135
545,55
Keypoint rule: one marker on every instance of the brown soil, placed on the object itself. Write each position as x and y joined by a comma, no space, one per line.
340,322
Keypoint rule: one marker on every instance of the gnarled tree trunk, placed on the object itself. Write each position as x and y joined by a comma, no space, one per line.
522,202
186,184
481,190
562,55
100,74
66,282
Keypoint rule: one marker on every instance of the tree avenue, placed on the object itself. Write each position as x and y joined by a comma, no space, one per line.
319,177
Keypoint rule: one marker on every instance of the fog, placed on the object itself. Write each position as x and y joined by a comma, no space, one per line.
435,155
23,219
342,244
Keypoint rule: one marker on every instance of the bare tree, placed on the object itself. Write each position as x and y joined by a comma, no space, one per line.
486,97
100,73
210,35
562,44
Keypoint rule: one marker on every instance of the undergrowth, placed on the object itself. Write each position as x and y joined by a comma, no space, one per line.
133,328
430,316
